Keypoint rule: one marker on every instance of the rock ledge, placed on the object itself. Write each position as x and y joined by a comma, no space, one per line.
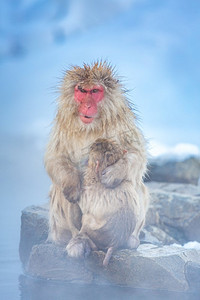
154,265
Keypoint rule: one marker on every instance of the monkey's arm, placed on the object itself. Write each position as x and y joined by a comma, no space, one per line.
131,167
64,174
113,175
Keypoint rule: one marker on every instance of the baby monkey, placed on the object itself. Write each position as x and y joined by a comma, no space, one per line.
108,210
103,153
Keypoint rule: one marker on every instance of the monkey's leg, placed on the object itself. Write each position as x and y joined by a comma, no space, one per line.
108,256
81,245
133,241
74,230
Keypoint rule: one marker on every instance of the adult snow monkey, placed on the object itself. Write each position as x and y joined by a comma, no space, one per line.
92,110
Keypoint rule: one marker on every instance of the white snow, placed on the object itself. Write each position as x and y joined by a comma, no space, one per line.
189,245
178,151
192,245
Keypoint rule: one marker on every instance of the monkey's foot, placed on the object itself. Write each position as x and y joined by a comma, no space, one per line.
79,247
133,242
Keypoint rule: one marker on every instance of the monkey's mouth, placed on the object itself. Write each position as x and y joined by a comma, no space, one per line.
86,119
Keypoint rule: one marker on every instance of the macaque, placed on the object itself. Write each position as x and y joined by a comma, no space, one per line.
96,159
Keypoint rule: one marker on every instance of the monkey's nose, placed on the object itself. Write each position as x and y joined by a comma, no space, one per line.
87,105
88,102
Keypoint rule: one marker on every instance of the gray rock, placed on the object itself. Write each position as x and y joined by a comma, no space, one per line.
49,261
174,215
192,273
186,171
146,237
149,267
186,189
34,229
175,211
156,236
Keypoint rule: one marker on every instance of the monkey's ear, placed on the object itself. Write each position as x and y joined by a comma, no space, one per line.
97,166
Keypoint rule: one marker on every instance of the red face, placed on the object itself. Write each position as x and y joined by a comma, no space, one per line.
88,98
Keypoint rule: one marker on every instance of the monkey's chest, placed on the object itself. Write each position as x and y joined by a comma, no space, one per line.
79,153
80,150
80,158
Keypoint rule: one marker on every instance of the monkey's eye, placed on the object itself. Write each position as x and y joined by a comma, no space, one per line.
95,91
81,90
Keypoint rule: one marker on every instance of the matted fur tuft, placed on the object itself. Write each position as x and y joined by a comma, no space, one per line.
98,72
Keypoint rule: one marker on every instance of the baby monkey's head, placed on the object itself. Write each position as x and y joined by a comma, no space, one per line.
104,153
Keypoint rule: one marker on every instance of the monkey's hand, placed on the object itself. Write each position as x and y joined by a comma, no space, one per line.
113,175
65,175
72,188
